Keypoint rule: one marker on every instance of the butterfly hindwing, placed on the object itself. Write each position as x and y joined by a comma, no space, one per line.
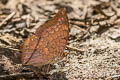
53,39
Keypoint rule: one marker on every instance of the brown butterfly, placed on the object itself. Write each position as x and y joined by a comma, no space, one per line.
48,43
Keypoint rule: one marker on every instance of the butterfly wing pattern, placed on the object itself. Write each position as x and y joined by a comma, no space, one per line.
48,43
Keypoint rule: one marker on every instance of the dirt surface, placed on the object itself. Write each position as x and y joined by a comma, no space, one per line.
93,47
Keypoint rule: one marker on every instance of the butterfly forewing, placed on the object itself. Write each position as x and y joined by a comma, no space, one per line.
50,42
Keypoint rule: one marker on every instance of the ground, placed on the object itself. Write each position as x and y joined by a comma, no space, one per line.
94,42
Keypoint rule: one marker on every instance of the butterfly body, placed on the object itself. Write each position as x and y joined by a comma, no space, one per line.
48,43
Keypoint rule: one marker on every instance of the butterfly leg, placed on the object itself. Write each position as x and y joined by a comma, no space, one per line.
36,71
65,54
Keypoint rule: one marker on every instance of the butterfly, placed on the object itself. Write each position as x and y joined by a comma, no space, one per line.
48,43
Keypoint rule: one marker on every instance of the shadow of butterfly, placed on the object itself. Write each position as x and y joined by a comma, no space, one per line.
48,43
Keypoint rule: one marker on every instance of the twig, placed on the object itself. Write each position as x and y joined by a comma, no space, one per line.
98,9
114,76
74,48
85,35
17,75
9,47
8,66
7,18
